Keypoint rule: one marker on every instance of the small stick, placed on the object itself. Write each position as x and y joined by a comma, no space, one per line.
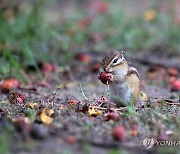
166,101
170,102
32,90
122,109
55,93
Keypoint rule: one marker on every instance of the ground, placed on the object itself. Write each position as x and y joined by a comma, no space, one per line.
51,99
73,130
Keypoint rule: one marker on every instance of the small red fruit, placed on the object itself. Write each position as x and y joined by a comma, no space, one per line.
119,133
9,84
134,133
112,116
70,139
172,71
105,77
83,57
100,7
95,67
175,84
48,67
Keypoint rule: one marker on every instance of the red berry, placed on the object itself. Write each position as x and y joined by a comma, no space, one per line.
105,77
175,84
48,67
112,116
83,57
9,84
119,133
70,139
100,7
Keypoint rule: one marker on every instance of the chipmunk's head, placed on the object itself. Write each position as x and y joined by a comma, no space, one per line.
114,62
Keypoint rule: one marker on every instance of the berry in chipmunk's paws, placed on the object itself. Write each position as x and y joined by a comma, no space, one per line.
105,77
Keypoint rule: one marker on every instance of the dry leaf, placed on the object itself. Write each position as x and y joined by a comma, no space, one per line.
144,96
45,118
32,105
93,112
50,112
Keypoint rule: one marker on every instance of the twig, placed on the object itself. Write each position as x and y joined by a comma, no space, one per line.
122,109
166,101
55,93
32,90
170,102
83,93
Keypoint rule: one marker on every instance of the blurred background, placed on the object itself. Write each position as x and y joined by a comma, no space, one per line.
37,31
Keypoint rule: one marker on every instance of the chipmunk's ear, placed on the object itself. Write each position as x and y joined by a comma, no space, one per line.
122,55
122,52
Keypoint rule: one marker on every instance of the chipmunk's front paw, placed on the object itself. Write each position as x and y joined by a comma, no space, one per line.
105,77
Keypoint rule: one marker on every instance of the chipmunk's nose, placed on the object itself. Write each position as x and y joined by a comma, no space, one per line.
106,69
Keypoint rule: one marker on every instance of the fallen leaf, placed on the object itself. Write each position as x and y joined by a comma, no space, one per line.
143,96
32,105
50,112
92,112
45,118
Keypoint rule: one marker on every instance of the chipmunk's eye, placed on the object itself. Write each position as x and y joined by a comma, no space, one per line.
115,60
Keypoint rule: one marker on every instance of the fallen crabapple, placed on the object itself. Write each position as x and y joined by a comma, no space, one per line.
105,77
83,57
174,83
70,139
9,84
112,116
48,67
119,133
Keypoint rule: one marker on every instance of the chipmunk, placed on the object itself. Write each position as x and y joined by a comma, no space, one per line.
124,79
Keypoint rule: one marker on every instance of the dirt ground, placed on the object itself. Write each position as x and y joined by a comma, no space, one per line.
73,130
